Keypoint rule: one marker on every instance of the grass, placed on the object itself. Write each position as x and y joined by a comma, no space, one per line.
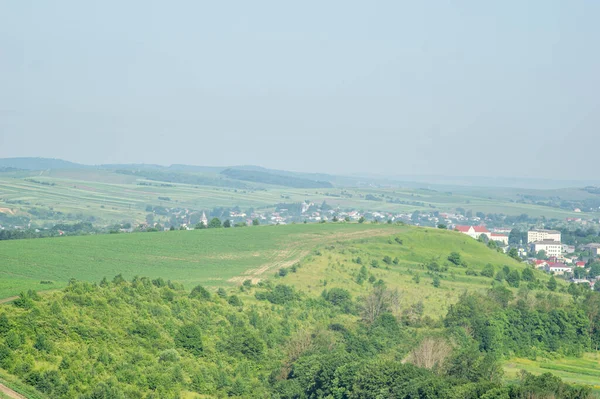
334,267
212,257
18,386
585,370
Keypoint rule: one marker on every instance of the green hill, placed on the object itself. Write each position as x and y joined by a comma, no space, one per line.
211,257
411,253
321,311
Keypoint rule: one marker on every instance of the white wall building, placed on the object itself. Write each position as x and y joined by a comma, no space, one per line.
543,235
551,248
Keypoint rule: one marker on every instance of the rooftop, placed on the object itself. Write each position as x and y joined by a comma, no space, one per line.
545,231
547,242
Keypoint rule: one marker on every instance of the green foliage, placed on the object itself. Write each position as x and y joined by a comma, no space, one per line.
279,295
436,281
513,278
455,258
199,292
488,270
527,274
214,223
552,284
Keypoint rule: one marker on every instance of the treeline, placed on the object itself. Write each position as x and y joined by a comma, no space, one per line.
81,228
182,177
149,338
271,178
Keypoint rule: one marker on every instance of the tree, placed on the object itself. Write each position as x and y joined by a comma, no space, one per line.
501,295
361,220
513,278
214,223
227,223
442,226
200,292
189,337
527,274
514,253
454,257
594,270
255,222
378,302
552,284
436,281
541,254
488,270
597,286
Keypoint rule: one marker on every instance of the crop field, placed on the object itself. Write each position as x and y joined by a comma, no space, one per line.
211,257
110,197
585,370
335,266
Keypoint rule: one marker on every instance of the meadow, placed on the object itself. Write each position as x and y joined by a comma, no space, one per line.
212,257
584,370
335,266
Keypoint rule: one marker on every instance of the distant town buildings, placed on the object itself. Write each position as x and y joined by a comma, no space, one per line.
477,231
535,235
550,247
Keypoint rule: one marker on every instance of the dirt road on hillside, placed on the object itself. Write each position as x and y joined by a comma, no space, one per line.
10,393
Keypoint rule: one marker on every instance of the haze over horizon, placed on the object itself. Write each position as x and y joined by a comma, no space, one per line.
428,88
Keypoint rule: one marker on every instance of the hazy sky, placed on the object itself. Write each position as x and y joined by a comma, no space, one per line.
494,88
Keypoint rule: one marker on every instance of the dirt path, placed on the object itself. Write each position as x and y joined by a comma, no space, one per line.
9,299
294,253
10,393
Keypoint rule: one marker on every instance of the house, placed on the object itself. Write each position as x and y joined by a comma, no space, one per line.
568,249
502,230
594,248
540,264
499,237
558,268
535,235
550,247
580,264
473,231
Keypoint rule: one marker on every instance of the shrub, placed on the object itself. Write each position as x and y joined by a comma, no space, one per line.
189,337
455,258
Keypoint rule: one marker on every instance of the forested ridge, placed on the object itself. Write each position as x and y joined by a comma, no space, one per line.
153,339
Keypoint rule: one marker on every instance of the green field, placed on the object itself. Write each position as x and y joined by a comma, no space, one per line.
210,257
584,371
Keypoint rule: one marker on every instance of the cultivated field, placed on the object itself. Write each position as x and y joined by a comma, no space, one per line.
585,371
210,257
110,197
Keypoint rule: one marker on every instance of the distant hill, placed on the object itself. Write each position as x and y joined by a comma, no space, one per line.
39,164
256,176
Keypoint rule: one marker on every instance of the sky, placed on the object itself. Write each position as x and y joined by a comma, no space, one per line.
467,88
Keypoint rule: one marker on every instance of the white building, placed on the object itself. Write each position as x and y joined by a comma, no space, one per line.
543,235
499,237
558,268
551,248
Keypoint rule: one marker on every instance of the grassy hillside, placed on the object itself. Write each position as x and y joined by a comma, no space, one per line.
211,257
336,266
585,370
